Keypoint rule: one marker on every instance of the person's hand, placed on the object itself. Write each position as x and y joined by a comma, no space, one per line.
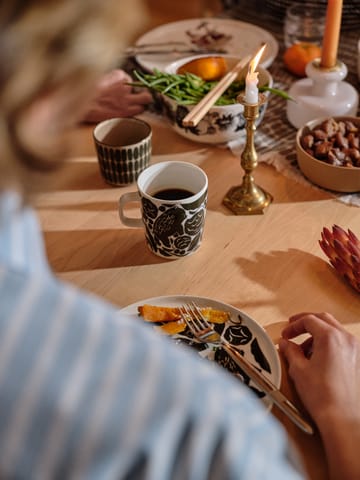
114,98
326,365
325,368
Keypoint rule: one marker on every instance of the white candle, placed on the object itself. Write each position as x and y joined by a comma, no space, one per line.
251,81
251,89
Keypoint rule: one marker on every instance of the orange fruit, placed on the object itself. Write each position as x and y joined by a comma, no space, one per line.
299,55
207,68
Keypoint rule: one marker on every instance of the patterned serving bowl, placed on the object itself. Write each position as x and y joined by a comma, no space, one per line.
221,124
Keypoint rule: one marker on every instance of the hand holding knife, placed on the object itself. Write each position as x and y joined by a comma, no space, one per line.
269,388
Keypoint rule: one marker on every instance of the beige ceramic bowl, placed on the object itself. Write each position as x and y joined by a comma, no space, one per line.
339,179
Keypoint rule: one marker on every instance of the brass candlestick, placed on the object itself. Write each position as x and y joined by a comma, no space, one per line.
248,198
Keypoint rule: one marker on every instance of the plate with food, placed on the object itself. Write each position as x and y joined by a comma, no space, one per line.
221,35
229,322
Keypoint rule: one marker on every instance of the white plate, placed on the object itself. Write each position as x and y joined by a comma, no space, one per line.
252,339
245,38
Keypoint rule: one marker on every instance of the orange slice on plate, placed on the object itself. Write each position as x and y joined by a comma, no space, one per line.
155,314
171,328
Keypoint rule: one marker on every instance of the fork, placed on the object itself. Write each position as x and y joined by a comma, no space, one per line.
204,331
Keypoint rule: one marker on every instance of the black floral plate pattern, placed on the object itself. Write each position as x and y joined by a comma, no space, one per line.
242,331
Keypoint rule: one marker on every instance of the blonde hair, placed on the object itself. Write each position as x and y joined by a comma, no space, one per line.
47,45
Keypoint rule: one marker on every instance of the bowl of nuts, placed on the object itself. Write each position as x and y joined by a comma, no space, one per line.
328,153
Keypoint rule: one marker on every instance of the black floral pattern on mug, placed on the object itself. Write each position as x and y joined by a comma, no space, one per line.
169,224
174,230
149,209
193,225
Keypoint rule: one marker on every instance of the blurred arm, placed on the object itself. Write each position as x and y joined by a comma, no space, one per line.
115,98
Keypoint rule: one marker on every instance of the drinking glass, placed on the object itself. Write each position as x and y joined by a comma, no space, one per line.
304,23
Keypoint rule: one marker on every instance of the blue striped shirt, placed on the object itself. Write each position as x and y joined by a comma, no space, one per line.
88,393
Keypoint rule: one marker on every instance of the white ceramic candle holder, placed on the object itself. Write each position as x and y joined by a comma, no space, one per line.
324,93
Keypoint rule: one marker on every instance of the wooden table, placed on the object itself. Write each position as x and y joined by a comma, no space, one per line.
270,266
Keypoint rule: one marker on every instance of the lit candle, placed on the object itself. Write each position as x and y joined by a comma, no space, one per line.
331,33
251,81
251,89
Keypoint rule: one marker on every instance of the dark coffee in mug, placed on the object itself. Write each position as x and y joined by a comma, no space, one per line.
173,194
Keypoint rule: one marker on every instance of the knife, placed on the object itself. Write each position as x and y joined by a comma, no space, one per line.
131,51
269,389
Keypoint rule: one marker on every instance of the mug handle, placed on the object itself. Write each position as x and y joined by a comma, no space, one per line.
123,200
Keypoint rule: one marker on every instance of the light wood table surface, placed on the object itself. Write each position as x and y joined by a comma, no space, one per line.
270,266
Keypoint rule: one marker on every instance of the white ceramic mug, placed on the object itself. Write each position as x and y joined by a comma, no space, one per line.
173,197
123,147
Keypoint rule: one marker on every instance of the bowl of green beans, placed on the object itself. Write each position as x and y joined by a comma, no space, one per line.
180,92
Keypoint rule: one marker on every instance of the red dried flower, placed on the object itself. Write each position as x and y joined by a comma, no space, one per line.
343,250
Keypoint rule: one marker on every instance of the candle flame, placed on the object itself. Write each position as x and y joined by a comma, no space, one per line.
254,62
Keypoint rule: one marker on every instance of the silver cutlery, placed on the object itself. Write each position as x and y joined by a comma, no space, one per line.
168,48
204,331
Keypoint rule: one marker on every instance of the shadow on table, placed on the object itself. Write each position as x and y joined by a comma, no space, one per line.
110,206
83,173
79,174
282,272
98,249
228,173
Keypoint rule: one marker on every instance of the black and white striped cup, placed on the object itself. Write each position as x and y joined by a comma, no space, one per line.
123,147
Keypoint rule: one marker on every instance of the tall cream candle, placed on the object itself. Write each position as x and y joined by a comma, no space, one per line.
251,89
331,34
251,81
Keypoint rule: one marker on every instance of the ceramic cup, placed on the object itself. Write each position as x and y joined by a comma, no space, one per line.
172,197
123,147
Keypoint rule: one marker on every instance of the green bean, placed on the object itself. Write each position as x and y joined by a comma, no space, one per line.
189,89
171,85
276,91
